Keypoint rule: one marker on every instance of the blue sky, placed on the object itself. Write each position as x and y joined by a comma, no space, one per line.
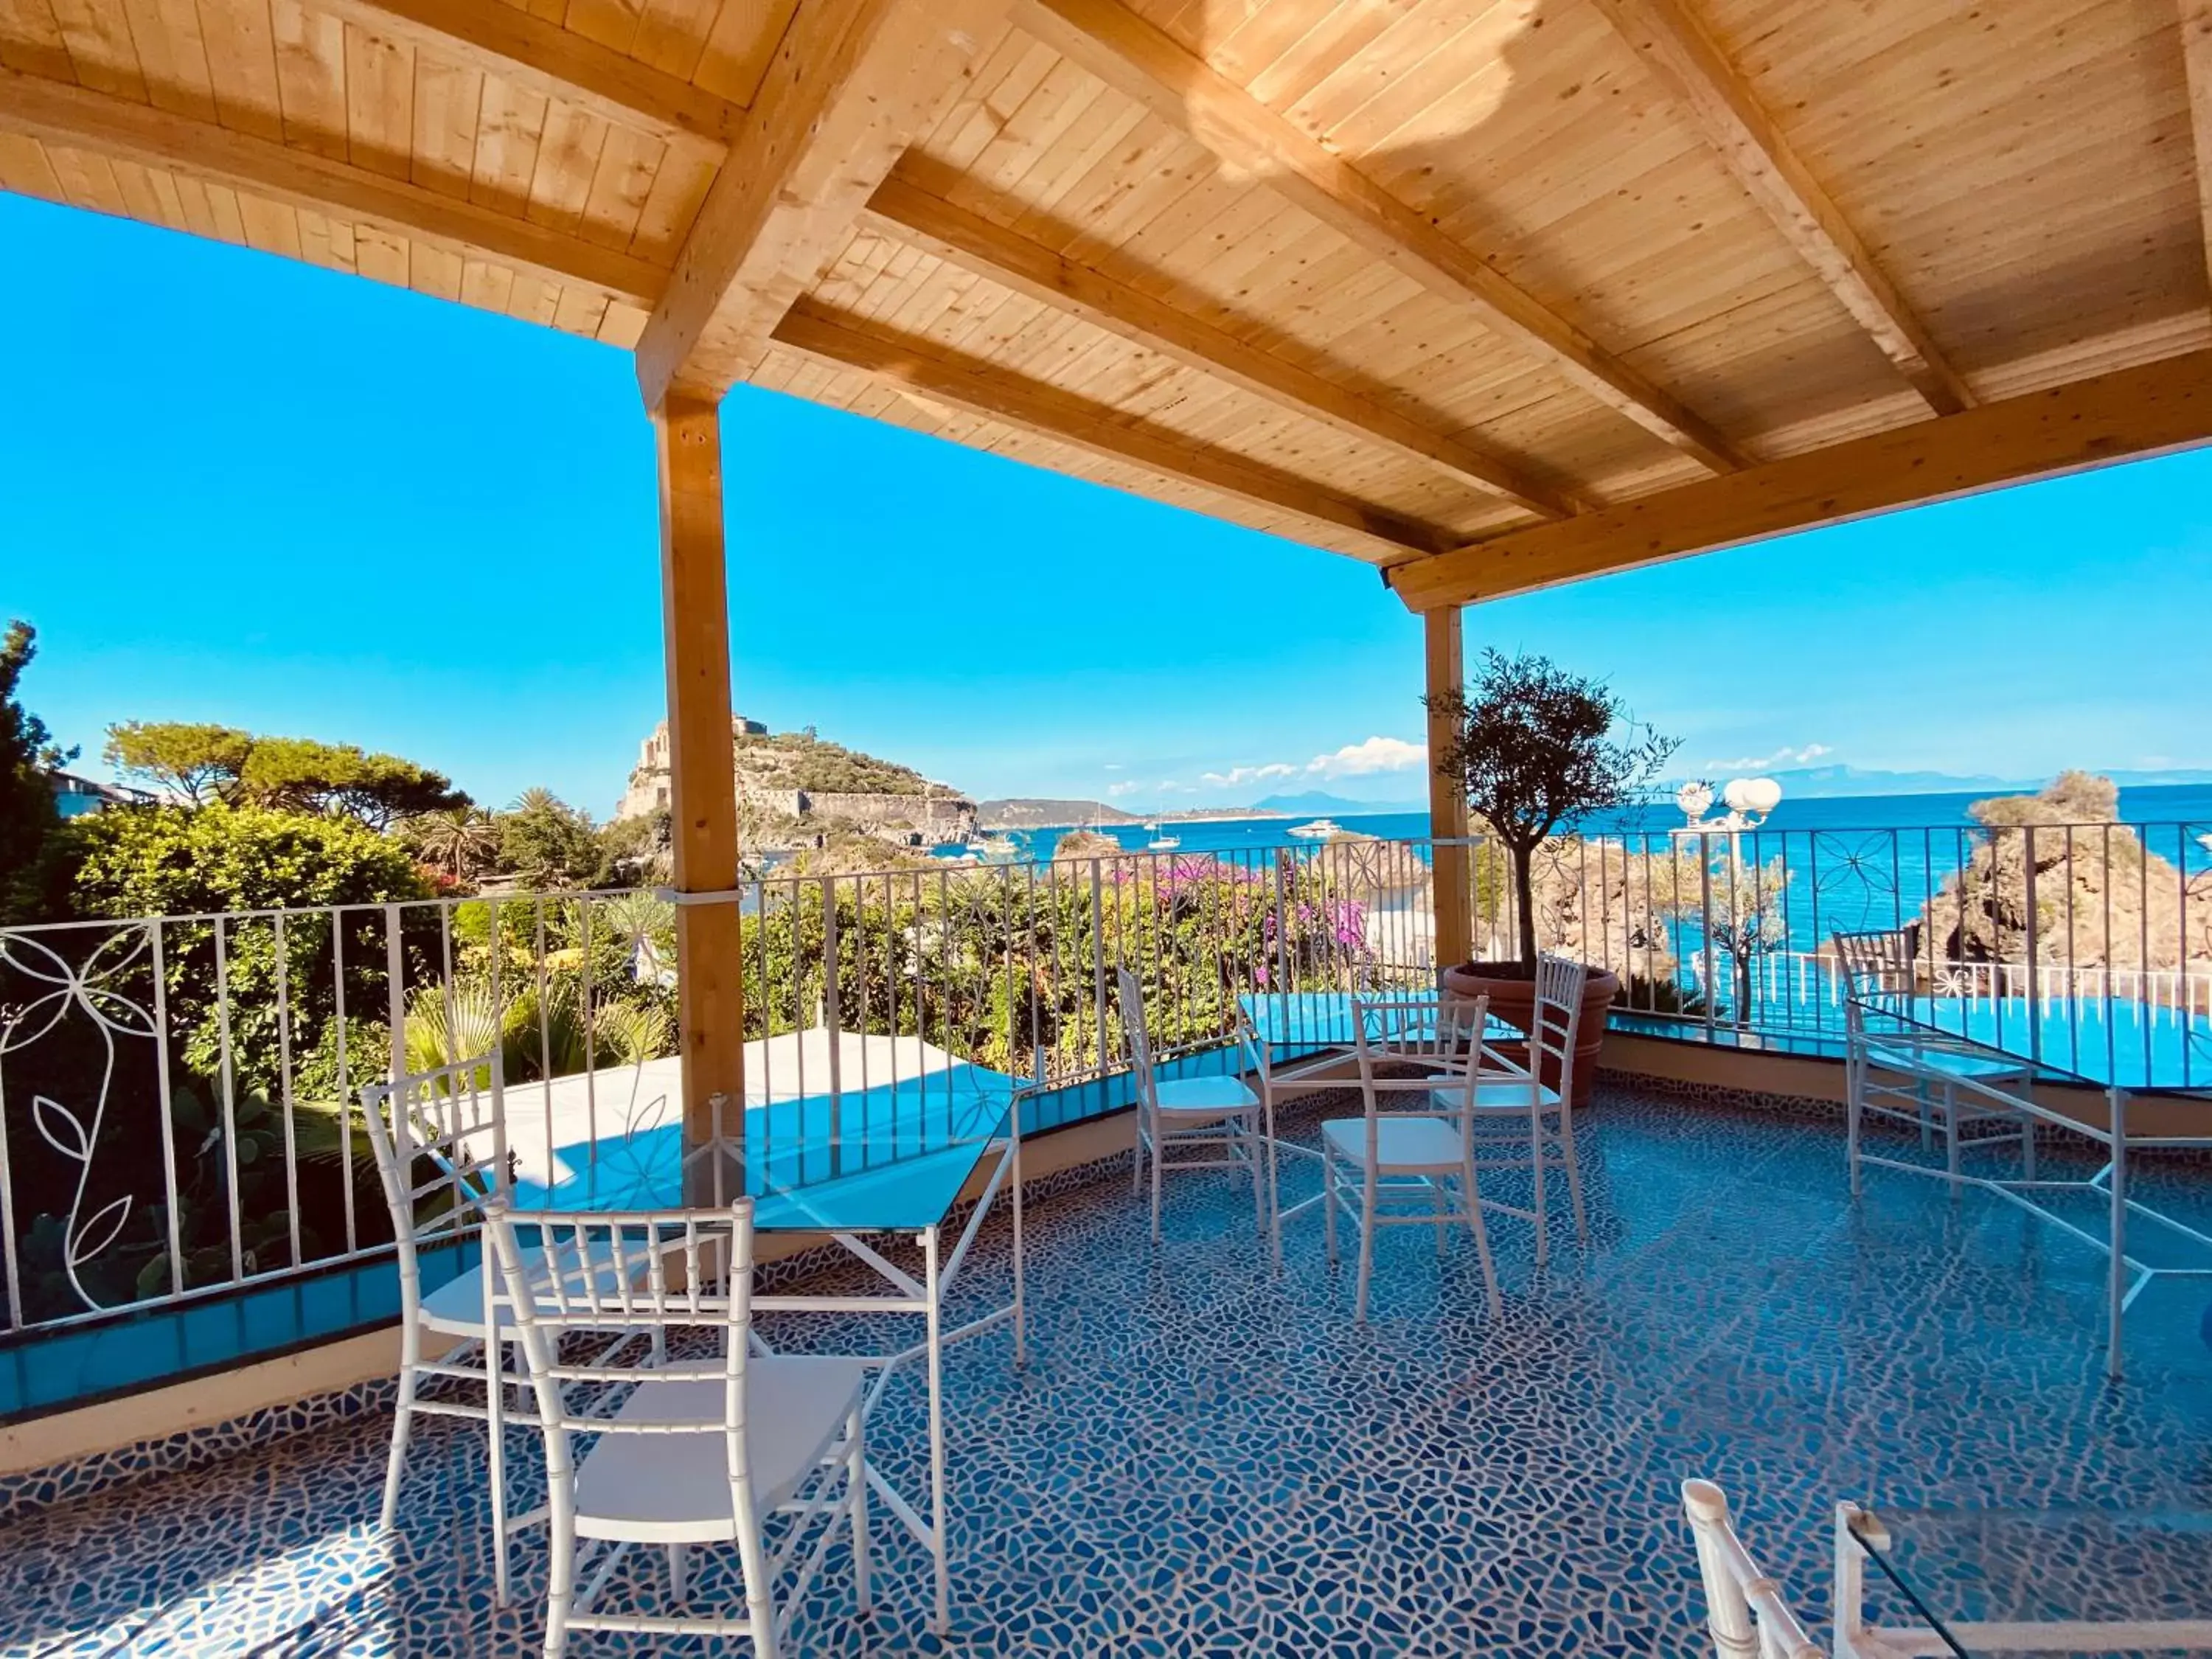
241,490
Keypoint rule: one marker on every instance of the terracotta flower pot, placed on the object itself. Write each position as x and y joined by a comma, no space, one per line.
1511,989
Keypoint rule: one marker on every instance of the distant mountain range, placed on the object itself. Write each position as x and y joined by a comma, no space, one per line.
1826,782
1319,800
1799,783
1038,812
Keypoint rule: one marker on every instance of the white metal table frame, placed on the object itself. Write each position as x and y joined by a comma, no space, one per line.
925,1298
2126,1277
1861,1536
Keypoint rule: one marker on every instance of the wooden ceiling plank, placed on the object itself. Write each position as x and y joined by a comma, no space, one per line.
2197,62
1145,63
851,84
533,52
2155,408
983,389
966,239
1678,50
114,126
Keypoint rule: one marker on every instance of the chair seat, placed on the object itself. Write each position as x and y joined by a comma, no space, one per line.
1205,1097
1401,1143
675,1488
1510,1095
457,1306
1943,1062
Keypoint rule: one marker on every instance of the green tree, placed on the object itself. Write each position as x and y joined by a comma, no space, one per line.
190,763
186,861
1534,748
459,842
27,752
546,843
312,776
193,764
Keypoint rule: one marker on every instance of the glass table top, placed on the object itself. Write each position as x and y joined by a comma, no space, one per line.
2143,1048
1951,1570
892,1158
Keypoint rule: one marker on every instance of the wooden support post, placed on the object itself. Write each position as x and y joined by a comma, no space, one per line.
1451,882
703,775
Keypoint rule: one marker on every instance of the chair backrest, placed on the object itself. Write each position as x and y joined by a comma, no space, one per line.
1558,1017
1419,1058
1130,1003
1417,1027
641,1270
1876,964
1745,1612
453,1121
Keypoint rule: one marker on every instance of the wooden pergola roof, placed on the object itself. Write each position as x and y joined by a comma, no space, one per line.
1490,293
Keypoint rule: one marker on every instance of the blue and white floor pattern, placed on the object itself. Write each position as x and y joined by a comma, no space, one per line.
1204,1458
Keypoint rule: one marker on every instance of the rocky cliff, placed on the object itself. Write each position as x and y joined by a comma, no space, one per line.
2059,879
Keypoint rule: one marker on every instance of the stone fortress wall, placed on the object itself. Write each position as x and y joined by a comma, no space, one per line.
931,818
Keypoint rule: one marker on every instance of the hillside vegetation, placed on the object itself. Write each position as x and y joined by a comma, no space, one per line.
799,760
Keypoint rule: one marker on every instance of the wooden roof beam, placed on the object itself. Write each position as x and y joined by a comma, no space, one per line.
71,115
2156,409
851,84
530,51
1144,63
907,213
983,389
1677,49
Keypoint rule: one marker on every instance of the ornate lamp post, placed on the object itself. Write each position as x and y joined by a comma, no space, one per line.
1749,801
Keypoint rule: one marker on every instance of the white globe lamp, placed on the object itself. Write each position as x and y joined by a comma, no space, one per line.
1752,797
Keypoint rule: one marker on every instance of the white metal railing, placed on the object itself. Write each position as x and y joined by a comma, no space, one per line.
178,1094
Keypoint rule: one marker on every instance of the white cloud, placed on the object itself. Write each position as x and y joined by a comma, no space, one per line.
1236,774
1127,787
1375,755
1115,765
1805,756
1352,761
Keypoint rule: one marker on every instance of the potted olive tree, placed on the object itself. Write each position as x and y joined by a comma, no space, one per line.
1538,749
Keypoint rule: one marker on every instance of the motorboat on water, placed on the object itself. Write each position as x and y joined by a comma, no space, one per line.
1319,830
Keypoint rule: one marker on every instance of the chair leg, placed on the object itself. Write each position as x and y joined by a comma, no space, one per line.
1481,1237
760,1605
678,1587
1253,1150
856,1477
403,1422
1951,1136
1443,1212
1329,1203
1274,1189
1156,1190
1537,1174
495,1427
1574,1170
1137,1157
1367,1195
561,1580
2028,1146
1854,1092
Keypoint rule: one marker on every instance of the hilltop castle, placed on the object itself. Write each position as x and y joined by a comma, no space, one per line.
812,787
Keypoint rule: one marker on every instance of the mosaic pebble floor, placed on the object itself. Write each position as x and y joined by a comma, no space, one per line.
1203,1458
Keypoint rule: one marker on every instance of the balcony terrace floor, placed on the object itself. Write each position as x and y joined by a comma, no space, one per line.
1204,1458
